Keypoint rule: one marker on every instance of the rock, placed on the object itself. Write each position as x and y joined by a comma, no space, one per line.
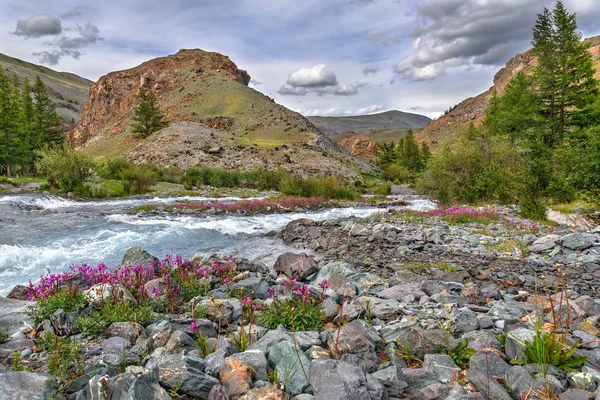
102,291
578,241
358,338
489,364
128,330
392,379
342,274
19,292
180,341
14,316
520,382
138,256
287,363
252,287
217,309
378,308
575,394
236,376
6,349
359,230
338,380
443,391
442,365
257,360
398,292
219,392
295,266
515,342
543,244
482,340
487,385
135,383
582,380
463,321
422,341
25,385
270,392
63,322
156,288
215,360
159,333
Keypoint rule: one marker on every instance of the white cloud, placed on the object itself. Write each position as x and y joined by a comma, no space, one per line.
38,26
337,112
318,75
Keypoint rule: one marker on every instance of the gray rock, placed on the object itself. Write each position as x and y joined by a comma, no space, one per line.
489,364
582,380
481,340
422,341
287,363
271,338
342,274
442,365
102,291
138,256
180,341
520,382
392,379
464,321
159,333
219,392
252,287
338,380
257,360
135,383
488,386
399,292
131,331
295,266
378,308
575,394
443,391
6,349
63,322
25,385
359,338
544,243
215,360
359,230
507,309
515,342
578,241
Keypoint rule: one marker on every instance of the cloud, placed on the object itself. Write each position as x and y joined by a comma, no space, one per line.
38,26
370,70
71,46
339,112
318,75
75,12
255,82
338,90
291,91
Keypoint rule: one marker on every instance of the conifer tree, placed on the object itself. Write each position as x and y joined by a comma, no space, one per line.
46,123
9,138
147,115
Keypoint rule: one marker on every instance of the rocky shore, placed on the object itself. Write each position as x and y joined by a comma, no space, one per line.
398,305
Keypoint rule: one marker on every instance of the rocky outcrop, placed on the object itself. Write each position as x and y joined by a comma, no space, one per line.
360,146
473,109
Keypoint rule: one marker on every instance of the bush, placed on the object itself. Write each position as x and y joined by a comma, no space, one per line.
532,209
476,168
303,316
138,178
64,168
95,322
114,168
383,189
317,186
69,299
170,174
396,173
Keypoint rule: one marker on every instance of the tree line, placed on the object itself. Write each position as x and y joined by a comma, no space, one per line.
28,122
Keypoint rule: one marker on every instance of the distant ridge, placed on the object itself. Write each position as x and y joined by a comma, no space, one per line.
364,124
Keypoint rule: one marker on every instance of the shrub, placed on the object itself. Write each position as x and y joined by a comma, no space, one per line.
300,312
64,168
4,335
138,178
396,173
65,361
549,349
317,186
114,168
113,311
68,298
532,209
170,174
383,189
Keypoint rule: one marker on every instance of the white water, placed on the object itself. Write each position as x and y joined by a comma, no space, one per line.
38,233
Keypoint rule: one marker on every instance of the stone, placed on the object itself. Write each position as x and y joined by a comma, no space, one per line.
131,331
515,342
482,340
295,266
236,376
582,380
543,244
489,364
490,292
138,256
219,392
487,386
359,338
218,309
135,383
338,380
463,321
392,379
25,385
102,291
378,308
442,365
270,392
215,360
63,322
159,333
6,349
575,394
342,274
19,292
359,230
252,287
422,341
14,317
399,292
443,391
257,360
520,382
289,366
578,241
317,353
180,340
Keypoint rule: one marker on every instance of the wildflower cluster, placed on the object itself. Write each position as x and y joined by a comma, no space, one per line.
464,215
299,309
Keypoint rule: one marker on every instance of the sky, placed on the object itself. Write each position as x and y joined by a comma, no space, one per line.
316,57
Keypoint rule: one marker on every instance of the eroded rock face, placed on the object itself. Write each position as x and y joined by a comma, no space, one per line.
360,146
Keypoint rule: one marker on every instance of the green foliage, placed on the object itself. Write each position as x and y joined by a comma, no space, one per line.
138,178
15,361
96,322
405,153
317,186
404,351
461,353
383,189
4,335
65,361
147,116
396,173
476,167
548,349
305,317
68,298
532,208
64,168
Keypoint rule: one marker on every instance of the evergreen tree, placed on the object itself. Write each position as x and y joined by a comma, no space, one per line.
46,123
26,122
9,138
564,75
410,155
147,115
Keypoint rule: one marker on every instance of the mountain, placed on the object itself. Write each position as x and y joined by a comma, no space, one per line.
364,124
68,91
473,109
215,119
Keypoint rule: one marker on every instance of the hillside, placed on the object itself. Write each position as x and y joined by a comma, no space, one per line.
68,91
215,119
473,109
363,124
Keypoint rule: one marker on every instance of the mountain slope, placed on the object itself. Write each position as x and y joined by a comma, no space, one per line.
215,119
68,91
473,109
363,124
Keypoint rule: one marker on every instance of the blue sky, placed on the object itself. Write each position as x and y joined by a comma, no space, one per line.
317,57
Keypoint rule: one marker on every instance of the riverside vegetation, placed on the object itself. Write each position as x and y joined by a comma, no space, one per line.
401,304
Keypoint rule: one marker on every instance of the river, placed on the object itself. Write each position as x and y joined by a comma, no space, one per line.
41,233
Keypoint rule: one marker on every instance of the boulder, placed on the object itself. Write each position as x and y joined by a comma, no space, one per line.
578,241
344,276
270,392
399,292
295,266
135,383
290,366
25,385
128,330
14,316
138,256
236,376
515,342
102,291
487,385
442,365
422,341
338,380
358,338
257,360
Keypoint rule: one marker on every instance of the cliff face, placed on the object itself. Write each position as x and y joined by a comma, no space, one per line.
114,96
214,119
473,109
360,146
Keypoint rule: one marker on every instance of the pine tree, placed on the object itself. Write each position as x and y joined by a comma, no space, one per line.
9,138
147,115
26,122
564,74
46,123
410,156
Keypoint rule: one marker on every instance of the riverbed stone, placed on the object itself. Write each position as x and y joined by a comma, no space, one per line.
578,241
487,385
295,266
14,315
236,376
128,330
358,338
25,385
399,292
423,341
138,256
520,382
338,380
257,360
515,342
290,366
442,365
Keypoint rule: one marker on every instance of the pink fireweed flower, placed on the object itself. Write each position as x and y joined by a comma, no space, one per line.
324,284
156,292
271,292
257,307
194,326
291,283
